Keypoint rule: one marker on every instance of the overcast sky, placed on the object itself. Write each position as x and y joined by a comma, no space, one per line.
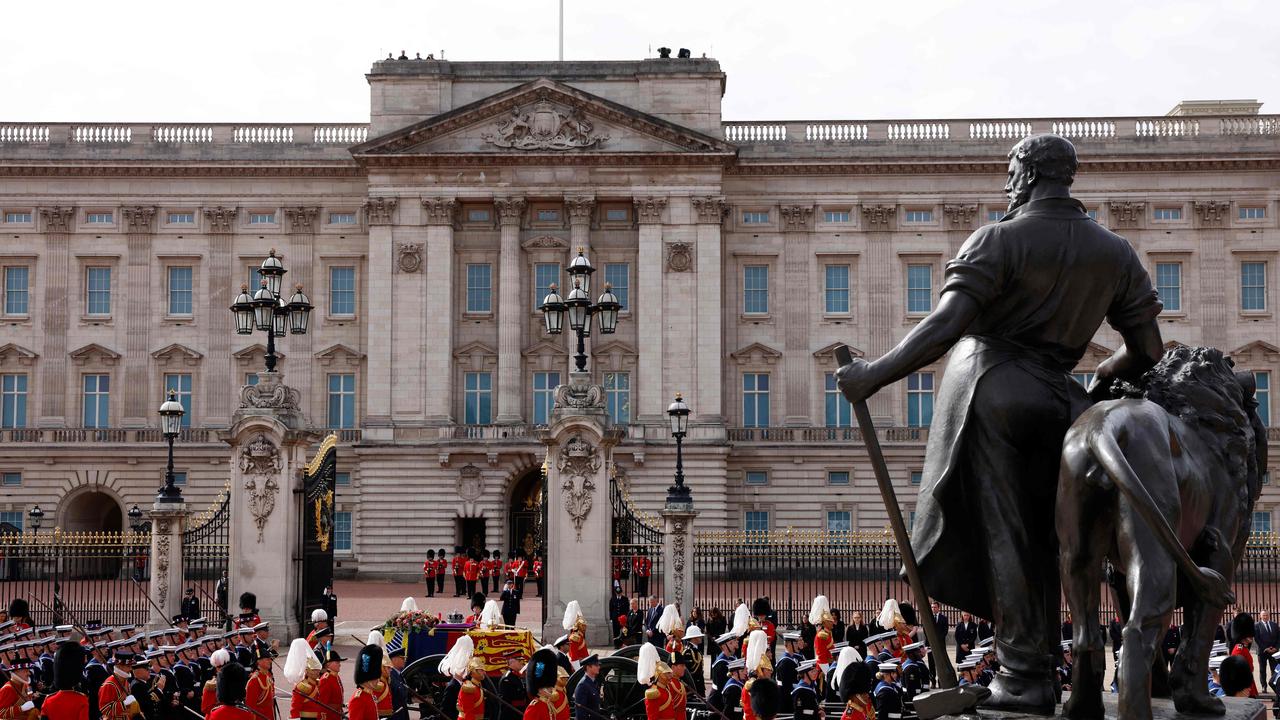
272,60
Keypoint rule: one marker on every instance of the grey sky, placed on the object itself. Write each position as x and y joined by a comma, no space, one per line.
269,60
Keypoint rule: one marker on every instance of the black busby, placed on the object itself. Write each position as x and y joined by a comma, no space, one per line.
232,679
442,553
249,600
68,665
368,664
431,553
19,609
1241,627
909,614
857,679
1234,675
477,600
765,698
760,606
541,672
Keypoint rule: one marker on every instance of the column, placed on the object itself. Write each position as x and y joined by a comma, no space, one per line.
579,210
58,282
168,521
300,261
438,377
797,360
380,212
677,555
1212,243
648,297
224,284
139,296
882,315
708,403
512,310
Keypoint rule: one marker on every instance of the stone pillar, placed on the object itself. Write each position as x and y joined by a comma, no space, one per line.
647,298
677,555
579,452
513,308
883,314
797,359
58,281
300,260
709,344
224,284
1211,244
139,309
580,209
168,521
269,447
379,211
439,381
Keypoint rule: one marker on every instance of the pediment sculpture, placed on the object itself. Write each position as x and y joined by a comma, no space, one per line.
545,127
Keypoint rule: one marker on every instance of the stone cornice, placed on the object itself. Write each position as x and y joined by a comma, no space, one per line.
282,168
302,219
439,211
913,166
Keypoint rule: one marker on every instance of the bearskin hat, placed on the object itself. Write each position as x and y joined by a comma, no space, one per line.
1234,675
477,600
908,614
760,606
858,678
541,672
68,665
765,698
249,600
368,664
1241,627
19,609
232,679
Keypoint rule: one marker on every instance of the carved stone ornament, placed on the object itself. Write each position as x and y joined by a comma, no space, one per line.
545,127
679,257
879,214
379,210
579,396
1212,212
408,257
710,209
161,579
1126,213
58,218
545,242
470,484
796,217
579,209
649,210
677,557
510,210
960,214
221,219
260,464
578,463
277,396
139,218
302,219
439,211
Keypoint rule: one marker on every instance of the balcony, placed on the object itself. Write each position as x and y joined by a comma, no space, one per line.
107,436
825,435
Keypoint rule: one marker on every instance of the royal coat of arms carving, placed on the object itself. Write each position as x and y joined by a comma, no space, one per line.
545,127
260,464
579,462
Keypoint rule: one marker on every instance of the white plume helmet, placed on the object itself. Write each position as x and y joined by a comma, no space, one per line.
741,616
456,660
319,615
491,615
647,664
757,643
376,638
409,605
848,656
670,619
821,606
572,612
295,665
890,615
220,657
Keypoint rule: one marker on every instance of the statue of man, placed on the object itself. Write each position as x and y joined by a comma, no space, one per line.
1019,305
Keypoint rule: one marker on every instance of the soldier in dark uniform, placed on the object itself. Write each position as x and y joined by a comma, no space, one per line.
787,670
95,673
887,697
586,696
144,690
728,643
915,676
395,680
729,696
805,703
512,691
1064,666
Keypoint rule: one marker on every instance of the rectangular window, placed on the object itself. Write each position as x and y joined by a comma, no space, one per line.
617,396
14,518
1084,378
182,218
618,275
342,291
1261,521
919,288
544,396
994,215
262,218
17,290
544,276
251,378
180,290
616,214
755,289
835,216
1169,285
755,399
755,217
1168,213
255,280
12,479
478,398
920,399
342,401
13,400
839,413
179,478
1246,213
1093,214
918,216
17,217
547,215
837,289
917,477
1262,393
342,531
480,288
837,477
1253,286
98,291
180,385
839,521
342,478
342,218
756,521
477,215
911,520
97,401
99,218
757,477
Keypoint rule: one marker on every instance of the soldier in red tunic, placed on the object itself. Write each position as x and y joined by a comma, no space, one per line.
329,690
68,672
260,692
536,568
429,573
319,623
302,668
15,695
854,680
823,643
368,672
540,682
576,625
208,694
231,682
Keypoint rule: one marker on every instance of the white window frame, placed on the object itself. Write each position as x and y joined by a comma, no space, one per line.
354,291
5,290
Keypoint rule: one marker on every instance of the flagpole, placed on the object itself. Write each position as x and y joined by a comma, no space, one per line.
562,30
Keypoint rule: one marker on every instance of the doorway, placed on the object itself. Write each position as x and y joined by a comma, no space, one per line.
471,533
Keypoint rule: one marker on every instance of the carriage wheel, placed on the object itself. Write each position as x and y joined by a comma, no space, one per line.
424,679
622,696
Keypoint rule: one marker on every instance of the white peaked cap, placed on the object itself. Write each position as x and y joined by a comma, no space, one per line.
740,618
319,615
572,612
756,645
376,638
820,606
459,656
220,657
295,665
693,632
409,605
890,615
647,664
848,656
490,616
670,619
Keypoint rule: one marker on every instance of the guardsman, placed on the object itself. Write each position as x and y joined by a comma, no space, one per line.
467,673
302,668
442,569
823,643
114,700
209,693
495,571
762,611
471,571
319,622
560,698
672,627
260,692
586,696
676,683
382,688
15,695
1064,666
657,695
915,675
853,680
329,688
536,568
512,691
230,706
805,703
20,615
576,625
248,616
1242,631
429,573
887,697
540,682
757,665
763,700
459,563
520,569
67,703
368,672
642,568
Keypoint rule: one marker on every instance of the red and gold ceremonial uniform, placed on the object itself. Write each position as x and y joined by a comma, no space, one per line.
1242,650
312,640
429,569
747,712
362,706
260,694
641,566
539,708
822,644
470,701
66,705
381,690
658,702
679,697
329,691
301,703
13,695
208,697
230,712
674,646
537,569
859,707
471,571
578,650
559,704
246,622
111,698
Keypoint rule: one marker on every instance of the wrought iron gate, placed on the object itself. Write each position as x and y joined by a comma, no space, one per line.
206,557
635,543
319,484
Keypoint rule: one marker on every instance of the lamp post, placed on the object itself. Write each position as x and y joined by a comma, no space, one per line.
171,413
135,518
265,310
579,308
35,516
678,495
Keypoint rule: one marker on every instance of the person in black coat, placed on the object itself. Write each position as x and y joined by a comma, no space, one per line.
1172,637
943,624
1116,631
619,606
984,630
510,603
330,602
586,696
857,633
512,691
191,605
1266,640
966,636
1067,628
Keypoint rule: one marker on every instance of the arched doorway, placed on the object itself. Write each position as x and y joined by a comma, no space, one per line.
92,511
526,517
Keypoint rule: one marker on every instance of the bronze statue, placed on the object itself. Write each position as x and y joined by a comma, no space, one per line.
1186,451
1018,307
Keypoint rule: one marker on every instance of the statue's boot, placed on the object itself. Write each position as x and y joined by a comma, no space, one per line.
1021,694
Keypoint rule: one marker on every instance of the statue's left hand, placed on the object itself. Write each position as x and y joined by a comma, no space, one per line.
855,380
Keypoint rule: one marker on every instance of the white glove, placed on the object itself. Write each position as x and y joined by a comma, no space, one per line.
131,700
27,706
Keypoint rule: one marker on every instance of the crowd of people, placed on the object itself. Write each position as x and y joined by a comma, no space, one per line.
476,570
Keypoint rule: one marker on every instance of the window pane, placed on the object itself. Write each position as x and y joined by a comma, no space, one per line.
477,398
757,477
1261,521
919,399
547,215
342,531
1246,213
617,392
342,218
919,288
836,216
994,215
1262,393
13,400
477,215
755,284
839,412
755,400
479,288
98,284
342,291
756,521
342,401
97,400
342,478
838,521
14,518
617,274
1169,285
837,477
919,216
544,386
179,291
544,274
180,385
16,290
916,477
755,218
615,214
1253,286
837,289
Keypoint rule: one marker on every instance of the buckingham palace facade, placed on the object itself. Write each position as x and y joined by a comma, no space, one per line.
742,254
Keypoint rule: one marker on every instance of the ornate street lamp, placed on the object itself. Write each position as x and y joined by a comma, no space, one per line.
135,518
678,412
578,306
266,311
35,516
171,413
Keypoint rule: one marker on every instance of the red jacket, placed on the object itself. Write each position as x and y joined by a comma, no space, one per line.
329,691
260,694
111,698
230,712
521,568
537,568
470,702
429,568
362,706
538,709
459,562
642,566
471,571
11,702
66,705
1243,652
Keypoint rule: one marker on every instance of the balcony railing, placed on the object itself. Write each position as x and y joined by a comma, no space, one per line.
823,435
103,435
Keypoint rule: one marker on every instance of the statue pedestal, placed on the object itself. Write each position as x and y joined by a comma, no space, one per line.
1161,709
168,521
677,555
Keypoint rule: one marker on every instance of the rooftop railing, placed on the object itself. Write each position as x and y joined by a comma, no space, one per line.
343,134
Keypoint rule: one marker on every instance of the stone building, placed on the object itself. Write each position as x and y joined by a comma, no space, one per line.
743,253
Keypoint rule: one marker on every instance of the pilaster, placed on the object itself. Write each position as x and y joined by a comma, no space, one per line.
438,379
218,365
797,363
882,313
512,310
301,254
138,296
579,210
648,305
708,408
380,212
1212,247
168,521
677,556
58,289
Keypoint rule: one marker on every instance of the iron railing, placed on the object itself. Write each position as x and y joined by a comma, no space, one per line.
206,557
78,577
636,542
